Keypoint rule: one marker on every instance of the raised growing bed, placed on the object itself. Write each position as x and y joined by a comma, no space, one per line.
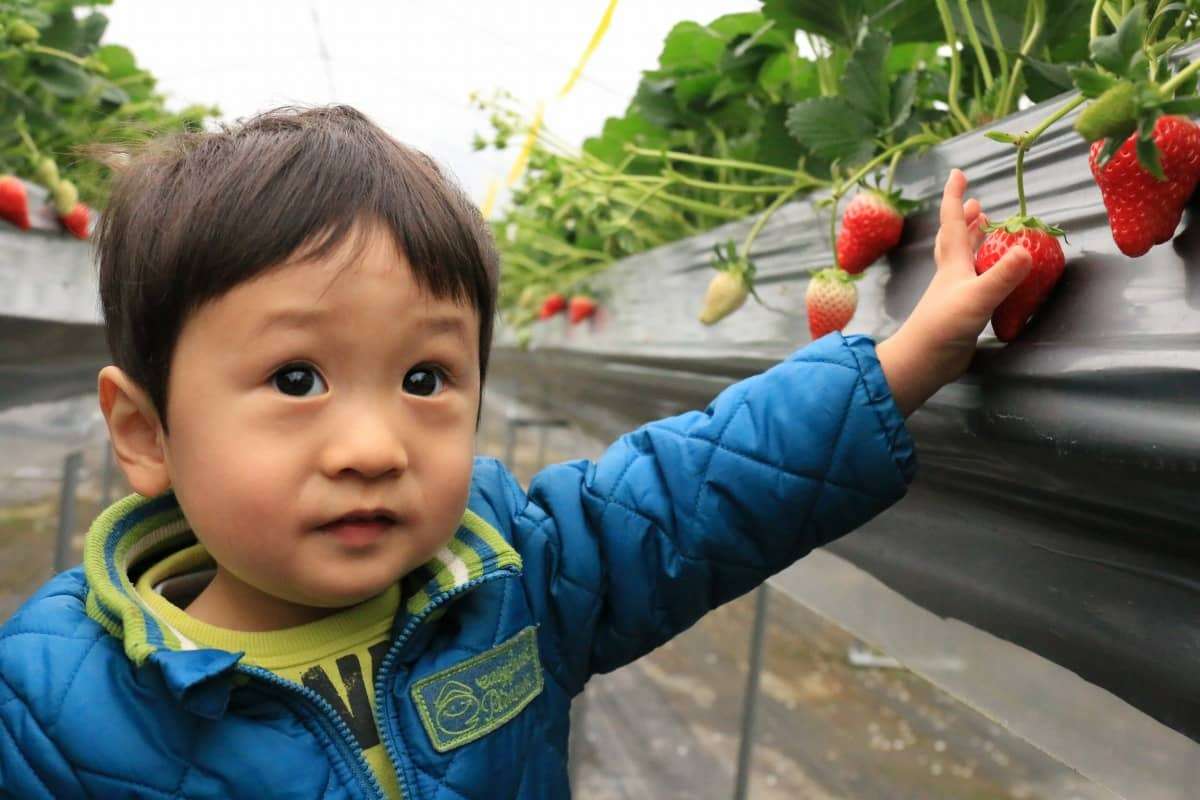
1056,500
51,335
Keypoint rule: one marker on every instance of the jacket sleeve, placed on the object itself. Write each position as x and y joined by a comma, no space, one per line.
689,512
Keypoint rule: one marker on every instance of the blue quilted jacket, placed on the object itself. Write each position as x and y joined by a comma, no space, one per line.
596,565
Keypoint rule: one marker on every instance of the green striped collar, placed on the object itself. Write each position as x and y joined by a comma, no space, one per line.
136,532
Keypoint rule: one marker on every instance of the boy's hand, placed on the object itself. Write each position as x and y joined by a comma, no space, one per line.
935,344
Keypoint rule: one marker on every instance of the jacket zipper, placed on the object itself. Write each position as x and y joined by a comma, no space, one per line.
339,732
383,678
337,728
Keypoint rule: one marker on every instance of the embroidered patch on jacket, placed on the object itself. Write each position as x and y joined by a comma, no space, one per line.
469,700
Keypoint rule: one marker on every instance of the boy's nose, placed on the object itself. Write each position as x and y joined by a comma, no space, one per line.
369,444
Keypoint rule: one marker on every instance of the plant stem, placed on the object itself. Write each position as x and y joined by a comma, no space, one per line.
952,40
56,53
766,215
916,140
1035,16
1183,75
973,35
675,155
1094,26
997,42
1029,138
717,186
26,139
891,173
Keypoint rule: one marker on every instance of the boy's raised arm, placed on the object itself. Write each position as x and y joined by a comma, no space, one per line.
689,512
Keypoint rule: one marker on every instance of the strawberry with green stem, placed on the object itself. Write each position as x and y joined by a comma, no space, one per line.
831,300
1145,156
872,223
1040,240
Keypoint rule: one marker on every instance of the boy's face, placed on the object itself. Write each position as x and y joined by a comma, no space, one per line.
280,425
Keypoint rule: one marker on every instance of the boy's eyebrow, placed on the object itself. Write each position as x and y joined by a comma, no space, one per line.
300,317
289,317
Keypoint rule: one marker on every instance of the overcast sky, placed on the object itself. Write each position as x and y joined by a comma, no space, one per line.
409,64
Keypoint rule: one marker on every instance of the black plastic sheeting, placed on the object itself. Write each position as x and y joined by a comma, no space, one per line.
1058,495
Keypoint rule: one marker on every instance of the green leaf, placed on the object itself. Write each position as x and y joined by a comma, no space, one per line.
1189,106
831,129
655,101
119,61
62,79
91,29
864,83
690,47
1091,82
696,88
114,95
1001,136
787,76
904,94
1148,157
751,29
774,145
837,21
1115,52
1110,148
726,87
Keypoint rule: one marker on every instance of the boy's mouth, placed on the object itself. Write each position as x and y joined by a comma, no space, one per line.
360,528
373,515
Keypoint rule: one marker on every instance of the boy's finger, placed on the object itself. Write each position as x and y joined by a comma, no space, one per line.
971,210
952,198
953,229
976,232
1005,275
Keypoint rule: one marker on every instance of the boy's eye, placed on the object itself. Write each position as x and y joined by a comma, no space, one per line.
424,381
297,380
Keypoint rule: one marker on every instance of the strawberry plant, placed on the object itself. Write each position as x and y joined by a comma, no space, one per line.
60,87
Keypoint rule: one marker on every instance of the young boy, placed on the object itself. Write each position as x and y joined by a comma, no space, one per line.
318,591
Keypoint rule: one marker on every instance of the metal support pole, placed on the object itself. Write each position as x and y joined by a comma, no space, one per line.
66,509
750,702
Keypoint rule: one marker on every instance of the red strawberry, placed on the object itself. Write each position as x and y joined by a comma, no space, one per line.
14,202
1041,241
831,300
552,305
871,226
581,307
1142,210
77,221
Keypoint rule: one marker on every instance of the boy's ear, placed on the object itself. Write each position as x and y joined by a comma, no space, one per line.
135,432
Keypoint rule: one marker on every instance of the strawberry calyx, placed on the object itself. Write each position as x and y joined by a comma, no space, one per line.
1017,223
836,274
894,199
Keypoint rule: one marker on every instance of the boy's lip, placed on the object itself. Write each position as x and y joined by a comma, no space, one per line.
378,513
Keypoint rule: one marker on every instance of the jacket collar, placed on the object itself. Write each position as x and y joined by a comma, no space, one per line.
137,531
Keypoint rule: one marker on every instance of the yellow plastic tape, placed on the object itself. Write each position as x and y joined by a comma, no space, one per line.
530,140
601,29
490,201
518,167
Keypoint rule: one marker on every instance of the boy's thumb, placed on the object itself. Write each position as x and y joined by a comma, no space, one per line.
1005,275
